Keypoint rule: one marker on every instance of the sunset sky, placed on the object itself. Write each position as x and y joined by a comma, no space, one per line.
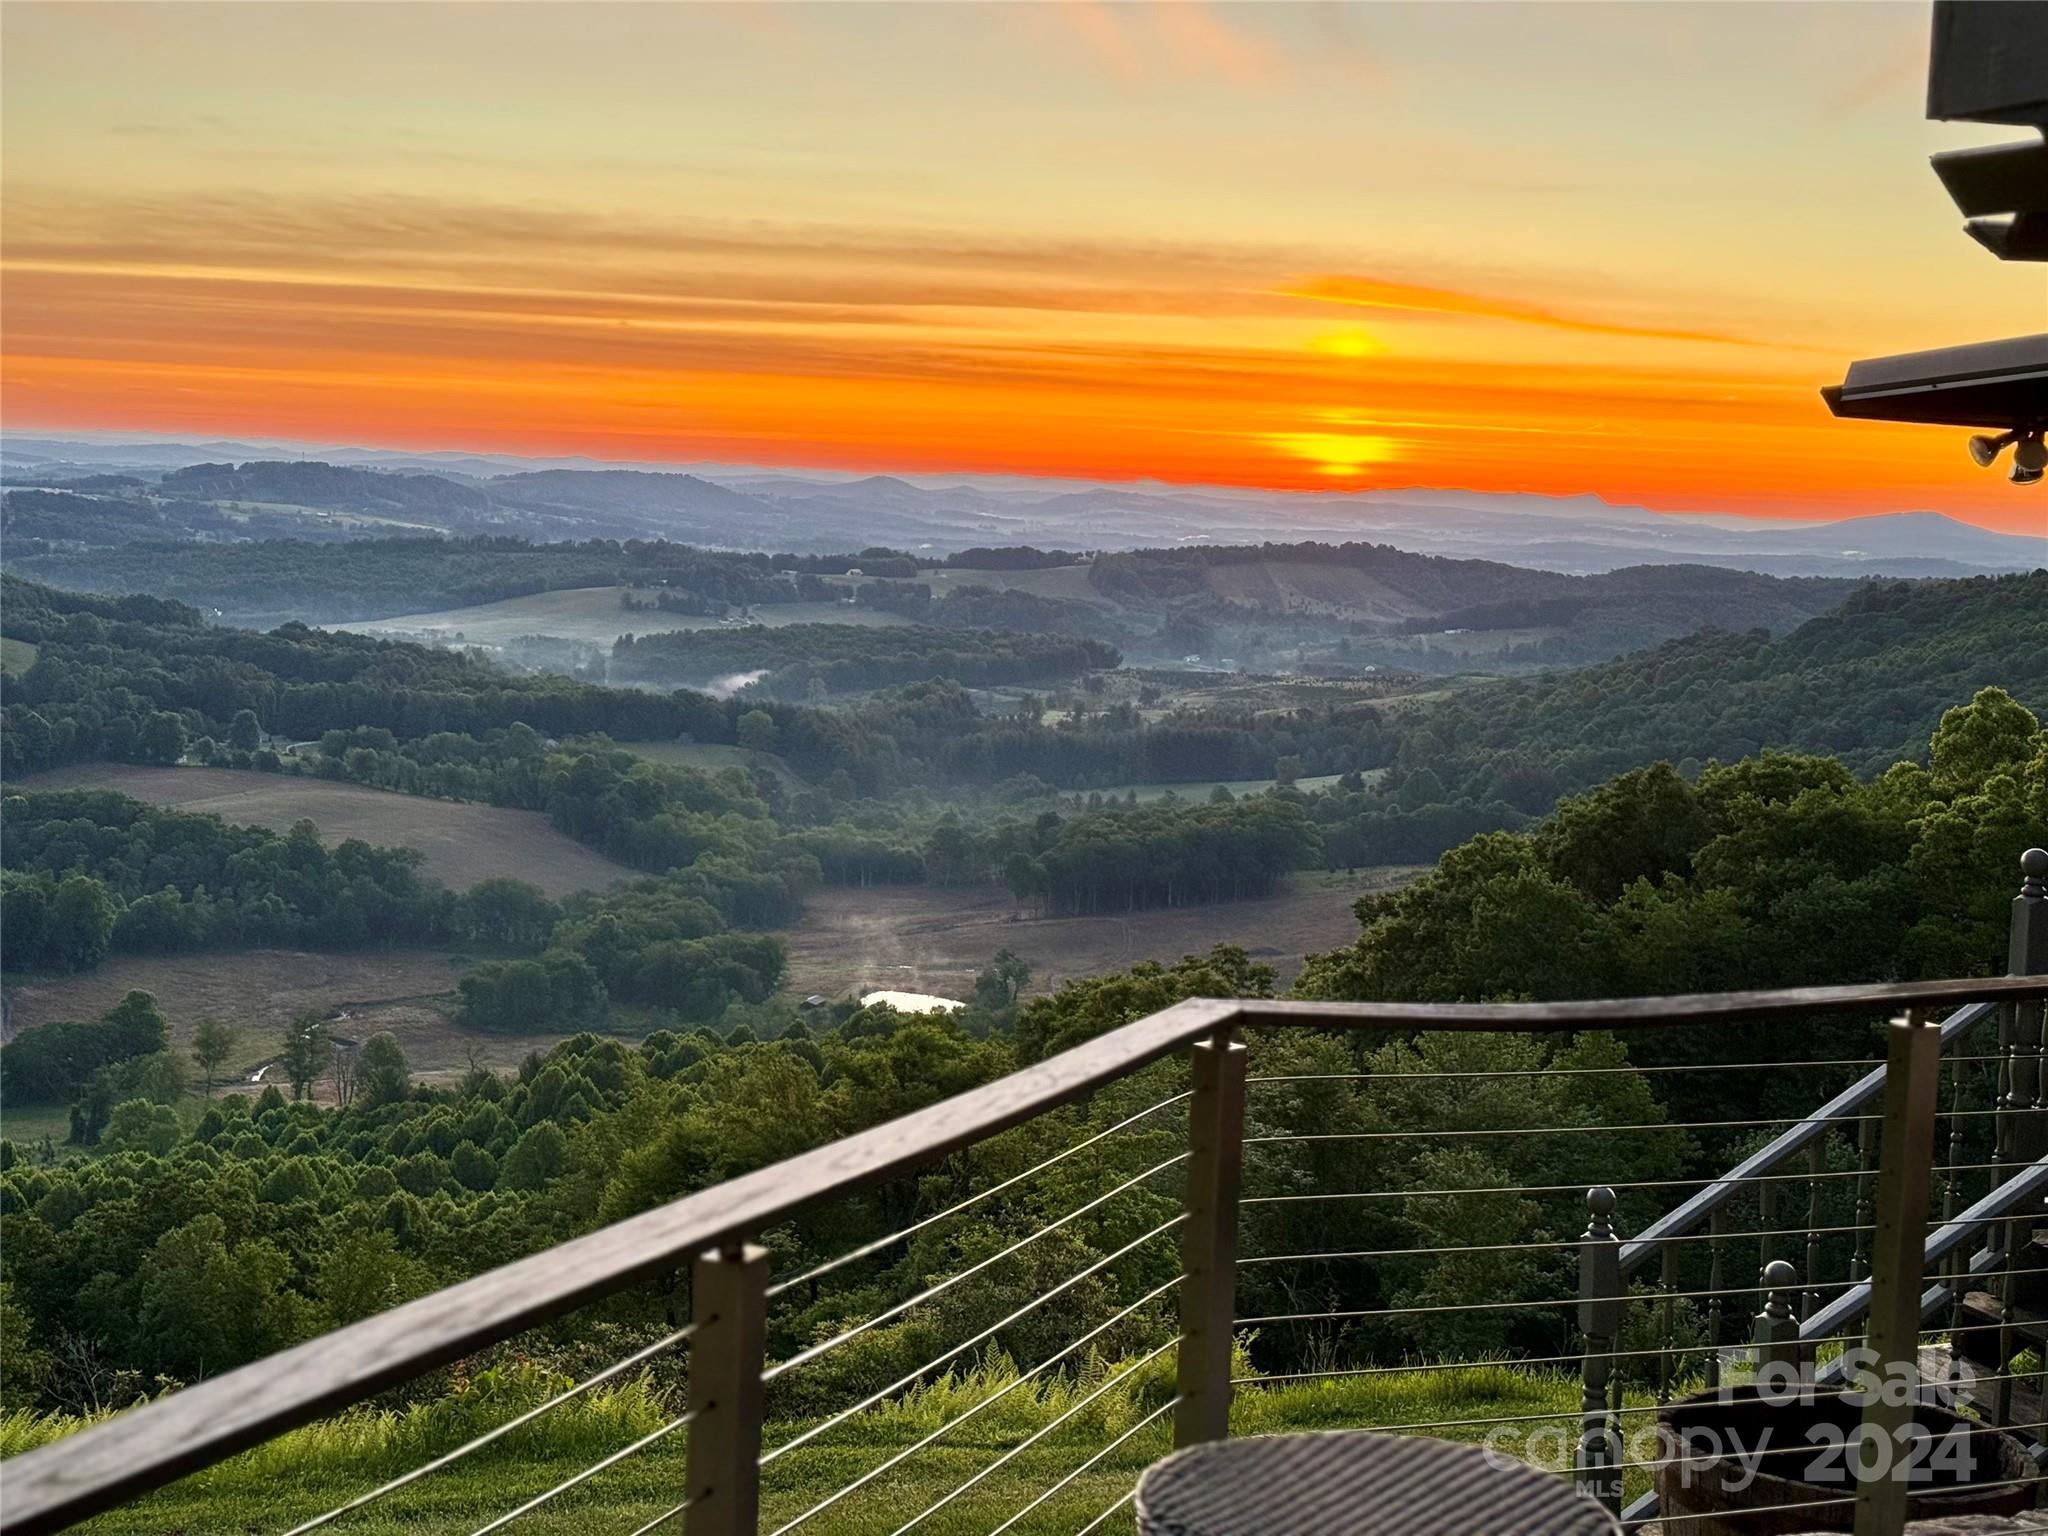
1557,248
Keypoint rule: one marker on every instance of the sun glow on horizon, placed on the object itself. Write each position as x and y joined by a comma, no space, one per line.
1353,343
961,239
1343,454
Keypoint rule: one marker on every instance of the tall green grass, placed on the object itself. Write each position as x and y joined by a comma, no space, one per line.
310,1470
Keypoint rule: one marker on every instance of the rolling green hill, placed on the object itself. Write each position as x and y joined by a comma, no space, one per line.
1865,682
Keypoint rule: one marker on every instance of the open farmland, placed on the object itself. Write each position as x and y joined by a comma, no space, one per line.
1065,583
592,615
409,992
936,939
711,757
258,991
1202,791
463,843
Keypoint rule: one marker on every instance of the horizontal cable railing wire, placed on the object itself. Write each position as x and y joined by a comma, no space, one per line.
1117,1444
1024,1445
1504,1306
1107,1515
585,1475
989,1401
1550,1130
881,1244
449,1458
1580,1186
1543,1247
834,1420
1654,1070
847,1335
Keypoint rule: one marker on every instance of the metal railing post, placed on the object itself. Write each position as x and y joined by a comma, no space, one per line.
1776,1331
1208,1287
1596,1463
729,1304
1912,1101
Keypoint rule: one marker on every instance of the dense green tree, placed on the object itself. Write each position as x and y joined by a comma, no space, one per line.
163,738
383,1076
80,925
207,1306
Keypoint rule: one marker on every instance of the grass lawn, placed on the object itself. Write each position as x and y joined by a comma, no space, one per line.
463,841
27,1124
710,756
16,657
315,1469
590,614
1202,791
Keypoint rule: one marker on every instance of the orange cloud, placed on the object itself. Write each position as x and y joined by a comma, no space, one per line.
1378,293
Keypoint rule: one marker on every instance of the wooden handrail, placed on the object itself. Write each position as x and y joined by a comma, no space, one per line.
1643,1012
109,1464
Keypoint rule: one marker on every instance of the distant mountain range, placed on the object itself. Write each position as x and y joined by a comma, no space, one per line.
746,507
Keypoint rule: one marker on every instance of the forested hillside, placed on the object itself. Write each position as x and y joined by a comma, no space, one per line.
1866,681
185,1248
275,580
1307,608
137,679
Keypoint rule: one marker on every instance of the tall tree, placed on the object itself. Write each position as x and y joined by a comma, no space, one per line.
307,1050
213,1042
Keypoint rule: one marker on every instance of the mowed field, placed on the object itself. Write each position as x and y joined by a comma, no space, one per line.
258,991
711,757
936,939
16,657
463,843
409,992
1068,583
589,614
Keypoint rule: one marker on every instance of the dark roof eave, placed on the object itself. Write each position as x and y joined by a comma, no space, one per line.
1994,384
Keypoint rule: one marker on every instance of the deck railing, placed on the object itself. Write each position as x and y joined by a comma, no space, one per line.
1923,1174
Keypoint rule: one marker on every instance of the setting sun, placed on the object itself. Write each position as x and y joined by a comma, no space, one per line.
1337,453
1348,343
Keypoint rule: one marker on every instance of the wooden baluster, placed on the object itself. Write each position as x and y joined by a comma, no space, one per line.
1816,1165
2005,1148
1667,1282
1596,1469
1956,1268
1866,1191
1776,1330
1952,1179
1717,1241
1767,1224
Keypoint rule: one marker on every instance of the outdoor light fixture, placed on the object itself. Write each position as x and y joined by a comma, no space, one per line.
1984,450
2029,453
2029,460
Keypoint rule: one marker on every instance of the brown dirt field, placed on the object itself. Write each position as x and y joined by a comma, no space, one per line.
926,939
259,991
463,843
